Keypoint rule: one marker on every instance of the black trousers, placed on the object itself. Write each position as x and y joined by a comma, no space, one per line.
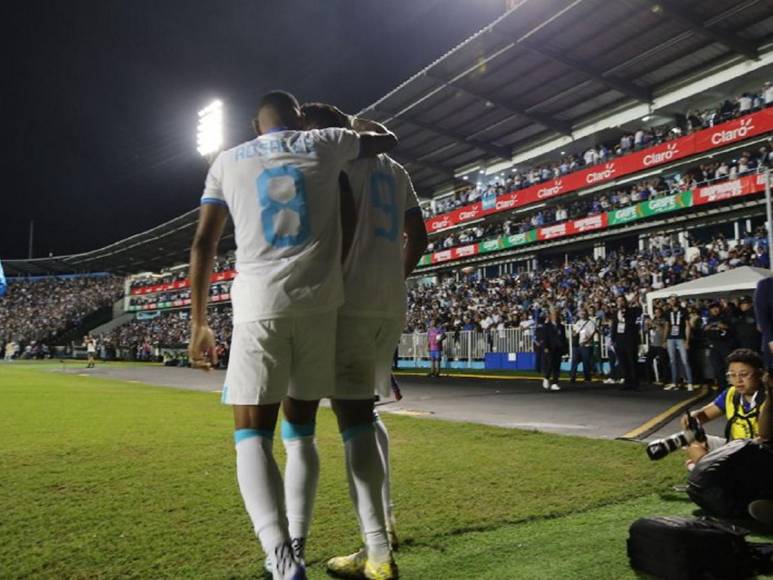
627,353
657,355
551,365
582,354
717,355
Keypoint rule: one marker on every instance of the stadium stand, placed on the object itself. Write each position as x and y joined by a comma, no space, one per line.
40,311
642,138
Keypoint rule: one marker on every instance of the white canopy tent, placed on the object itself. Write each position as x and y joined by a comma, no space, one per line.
735,281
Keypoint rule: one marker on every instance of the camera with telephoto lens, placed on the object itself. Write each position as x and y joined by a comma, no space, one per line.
659,448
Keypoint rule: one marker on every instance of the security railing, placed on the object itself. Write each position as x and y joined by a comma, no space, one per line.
471,345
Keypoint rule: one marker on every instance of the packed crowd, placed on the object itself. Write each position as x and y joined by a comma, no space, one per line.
143,339
693,121
38,310
747,162
517,301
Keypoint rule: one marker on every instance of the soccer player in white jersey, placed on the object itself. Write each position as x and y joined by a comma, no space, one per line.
387,243
282,192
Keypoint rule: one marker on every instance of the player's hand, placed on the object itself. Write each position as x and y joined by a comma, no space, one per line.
770,347
201,350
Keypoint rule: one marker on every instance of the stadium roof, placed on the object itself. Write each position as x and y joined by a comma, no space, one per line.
546,68
541,76
165,245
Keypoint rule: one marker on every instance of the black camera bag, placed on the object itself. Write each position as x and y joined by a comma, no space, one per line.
727,480
682,548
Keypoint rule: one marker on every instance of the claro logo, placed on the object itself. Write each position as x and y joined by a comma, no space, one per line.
546,192
596,176
468,215
662,157
440,224
506,204
729,135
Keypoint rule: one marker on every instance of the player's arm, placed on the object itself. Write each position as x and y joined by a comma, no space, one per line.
372,144
415,240
348,215
212,219
362,125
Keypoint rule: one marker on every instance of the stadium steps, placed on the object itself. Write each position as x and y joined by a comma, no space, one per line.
114,323
89,322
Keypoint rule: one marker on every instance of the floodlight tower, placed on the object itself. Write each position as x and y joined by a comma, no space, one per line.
209,136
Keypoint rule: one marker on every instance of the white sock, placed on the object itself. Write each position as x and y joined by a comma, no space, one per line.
366,470
261,486
382,440
301,476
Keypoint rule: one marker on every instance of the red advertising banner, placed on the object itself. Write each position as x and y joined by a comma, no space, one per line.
589,224
729,189
724,134
734,131
177,284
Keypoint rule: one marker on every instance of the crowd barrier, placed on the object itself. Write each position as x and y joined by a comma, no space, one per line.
471,346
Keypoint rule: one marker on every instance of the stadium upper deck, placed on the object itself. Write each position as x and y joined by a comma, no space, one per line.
513,93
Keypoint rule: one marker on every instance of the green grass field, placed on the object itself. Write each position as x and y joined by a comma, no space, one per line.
107,479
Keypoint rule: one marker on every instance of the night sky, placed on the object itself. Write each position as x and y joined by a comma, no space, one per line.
100,98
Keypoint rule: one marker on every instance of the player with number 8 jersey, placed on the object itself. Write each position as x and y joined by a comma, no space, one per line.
282,191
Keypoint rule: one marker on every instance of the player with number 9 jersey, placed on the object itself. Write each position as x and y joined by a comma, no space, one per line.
373,314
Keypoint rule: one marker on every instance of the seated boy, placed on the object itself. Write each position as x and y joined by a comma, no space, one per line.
740,404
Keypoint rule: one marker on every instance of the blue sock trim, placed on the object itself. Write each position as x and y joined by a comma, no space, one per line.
242,434
352,432
296,431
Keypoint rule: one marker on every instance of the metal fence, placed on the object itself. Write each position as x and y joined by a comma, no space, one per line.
470,345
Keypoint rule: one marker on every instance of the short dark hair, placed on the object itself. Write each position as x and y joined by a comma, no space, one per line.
280,101
746,356
322,116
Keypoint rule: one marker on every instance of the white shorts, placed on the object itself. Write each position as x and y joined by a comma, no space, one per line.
365,347
713,442
280,357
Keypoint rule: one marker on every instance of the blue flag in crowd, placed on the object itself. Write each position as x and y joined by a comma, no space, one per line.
3,285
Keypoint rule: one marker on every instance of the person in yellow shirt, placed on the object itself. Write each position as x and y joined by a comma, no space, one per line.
740,403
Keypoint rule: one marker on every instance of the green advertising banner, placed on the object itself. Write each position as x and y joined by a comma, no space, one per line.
491,245
666,204
625,215
650,208
520,239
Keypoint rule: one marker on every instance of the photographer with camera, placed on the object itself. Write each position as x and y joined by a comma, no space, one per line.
741,404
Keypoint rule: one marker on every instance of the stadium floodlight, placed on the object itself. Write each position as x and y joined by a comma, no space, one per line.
209,137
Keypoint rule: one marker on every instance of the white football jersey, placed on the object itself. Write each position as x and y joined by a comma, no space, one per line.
374,283
282,191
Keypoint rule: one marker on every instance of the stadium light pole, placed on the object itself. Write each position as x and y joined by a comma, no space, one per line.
770,218
209,135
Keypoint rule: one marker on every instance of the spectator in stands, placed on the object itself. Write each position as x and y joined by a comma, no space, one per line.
583,332
552,340
679,335
625,337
